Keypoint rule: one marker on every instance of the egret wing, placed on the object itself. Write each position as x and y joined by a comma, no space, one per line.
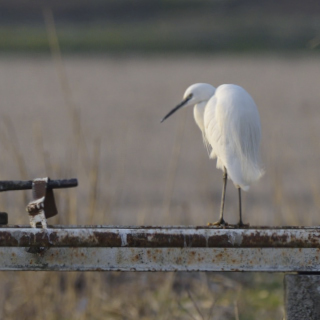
232,127
207,144
213,131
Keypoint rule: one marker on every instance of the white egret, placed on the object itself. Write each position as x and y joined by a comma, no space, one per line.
230,124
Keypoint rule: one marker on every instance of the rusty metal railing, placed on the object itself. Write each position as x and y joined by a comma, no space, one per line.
160,249
160,237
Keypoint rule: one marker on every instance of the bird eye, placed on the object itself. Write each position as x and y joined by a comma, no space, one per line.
190,96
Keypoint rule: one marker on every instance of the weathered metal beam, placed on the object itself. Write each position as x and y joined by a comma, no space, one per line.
160,249
160,237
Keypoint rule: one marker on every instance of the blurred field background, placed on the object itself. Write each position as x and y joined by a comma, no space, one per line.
83,88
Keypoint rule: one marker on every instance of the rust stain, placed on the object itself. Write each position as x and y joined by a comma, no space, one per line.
179,260
219,256
136,258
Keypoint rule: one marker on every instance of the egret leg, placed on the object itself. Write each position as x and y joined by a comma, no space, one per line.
223,196
241,224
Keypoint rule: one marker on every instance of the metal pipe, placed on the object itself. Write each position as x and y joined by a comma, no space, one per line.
24,185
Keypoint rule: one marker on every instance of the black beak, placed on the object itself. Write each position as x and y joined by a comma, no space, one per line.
181,104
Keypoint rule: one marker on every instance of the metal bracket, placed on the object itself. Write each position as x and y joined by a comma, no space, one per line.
43,206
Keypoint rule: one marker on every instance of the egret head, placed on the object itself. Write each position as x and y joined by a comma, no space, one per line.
196,93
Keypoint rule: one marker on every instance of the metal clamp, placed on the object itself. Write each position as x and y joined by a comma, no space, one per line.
43,206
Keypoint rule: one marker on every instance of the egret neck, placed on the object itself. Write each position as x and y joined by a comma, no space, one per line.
198,113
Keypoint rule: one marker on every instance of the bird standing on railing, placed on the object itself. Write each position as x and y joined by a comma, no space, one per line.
230,124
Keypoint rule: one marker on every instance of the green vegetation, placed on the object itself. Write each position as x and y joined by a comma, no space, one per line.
149,37
164,26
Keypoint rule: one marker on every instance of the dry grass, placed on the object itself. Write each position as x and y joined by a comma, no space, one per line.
105,131
45,295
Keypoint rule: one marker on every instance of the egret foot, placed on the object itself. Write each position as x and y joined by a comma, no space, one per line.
220,222
240,224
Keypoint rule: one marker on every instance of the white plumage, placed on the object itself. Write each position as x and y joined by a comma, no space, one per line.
230,124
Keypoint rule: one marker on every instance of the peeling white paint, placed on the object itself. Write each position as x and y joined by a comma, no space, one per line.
124,238
235,238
